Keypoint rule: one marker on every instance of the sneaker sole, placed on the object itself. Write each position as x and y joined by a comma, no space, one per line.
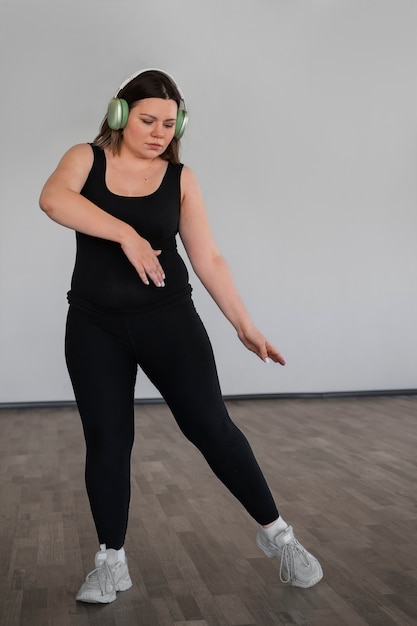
110,597
311,583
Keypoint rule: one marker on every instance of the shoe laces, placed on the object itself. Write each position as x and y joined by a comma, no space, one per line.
103,574
291,552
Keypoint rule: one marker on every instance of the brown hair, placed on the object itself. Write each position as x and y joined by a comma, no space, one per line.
148,84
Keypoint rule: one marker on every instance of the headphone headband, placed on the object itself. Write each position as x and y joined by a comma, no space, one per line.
150,69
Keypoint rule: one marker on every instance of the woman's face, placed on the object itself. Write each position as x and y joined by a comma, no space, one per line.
150,127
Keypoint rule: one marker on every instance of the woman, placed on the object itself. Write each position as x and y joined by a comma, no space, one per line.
127,196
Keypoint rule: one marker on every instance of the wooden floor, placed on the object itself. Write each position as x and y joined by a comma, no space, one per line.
344,473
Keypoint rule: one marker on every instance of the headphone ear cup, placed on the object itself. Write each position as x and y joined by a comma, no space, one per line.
181,123
117,113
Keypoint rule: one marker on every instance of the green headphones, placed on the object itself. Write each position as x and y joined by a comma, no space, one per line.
118,109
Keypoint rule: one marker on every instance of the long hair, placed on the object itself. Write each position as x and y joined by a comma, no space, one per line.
148,84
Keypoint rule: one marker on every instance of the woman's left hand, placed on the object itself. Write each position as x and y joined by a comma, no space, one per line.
254,341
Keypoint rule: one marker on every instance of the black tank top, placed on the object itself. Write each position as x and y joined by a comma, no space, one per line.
103,278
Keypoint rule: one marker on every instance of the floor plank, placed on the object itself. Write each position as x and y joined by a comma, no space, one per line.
343,471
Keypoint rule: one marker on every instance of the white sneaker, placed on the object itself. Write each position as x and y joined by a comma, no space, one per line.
298,567
109,576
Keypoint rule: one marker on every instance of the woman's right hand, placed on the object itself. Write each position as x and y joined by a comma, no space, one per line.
144,259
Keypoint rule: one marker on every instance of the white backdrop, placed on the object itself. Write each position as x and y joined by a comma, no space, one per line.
303,135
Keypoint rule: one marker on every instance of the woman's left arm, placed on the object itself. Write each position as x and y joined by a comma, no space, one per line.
213,271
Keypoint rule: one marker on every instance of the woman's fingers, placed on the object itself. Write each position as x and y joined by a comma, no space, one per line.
257,343
145,260
274,354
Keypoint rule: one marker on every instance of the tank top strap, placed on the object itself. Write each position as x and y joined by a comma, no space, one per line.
171,181
99,163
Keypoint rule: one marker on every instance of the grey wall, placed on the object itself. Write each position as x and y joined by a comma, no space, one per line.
303,135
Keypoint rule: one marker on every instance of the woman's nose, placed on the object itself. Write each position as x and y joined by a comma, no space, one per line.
158,130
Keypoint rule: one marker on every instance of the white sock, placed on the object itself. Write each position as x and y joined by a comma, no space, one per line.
277,527
121,555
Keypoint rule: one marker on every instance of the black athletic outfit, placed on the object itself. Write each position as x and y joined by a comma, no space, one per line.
116,322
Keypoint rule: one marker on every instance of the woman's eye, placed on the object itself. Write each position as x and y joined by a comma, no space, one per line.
148,122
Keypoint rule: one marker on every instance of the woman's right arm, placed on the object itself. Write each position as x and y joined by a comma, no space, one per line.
62,201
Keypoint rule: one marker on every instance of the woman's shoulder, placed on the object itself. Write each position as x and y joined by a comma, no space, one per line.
81,154
186,172
76,163
81,149
190,186
188,176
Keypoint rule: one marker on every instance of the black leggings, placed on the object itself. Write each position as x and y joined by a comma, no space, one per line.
172,348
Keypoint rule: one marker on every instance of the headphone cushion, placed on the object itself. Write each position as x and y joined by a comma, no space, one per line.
117,113
181,123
